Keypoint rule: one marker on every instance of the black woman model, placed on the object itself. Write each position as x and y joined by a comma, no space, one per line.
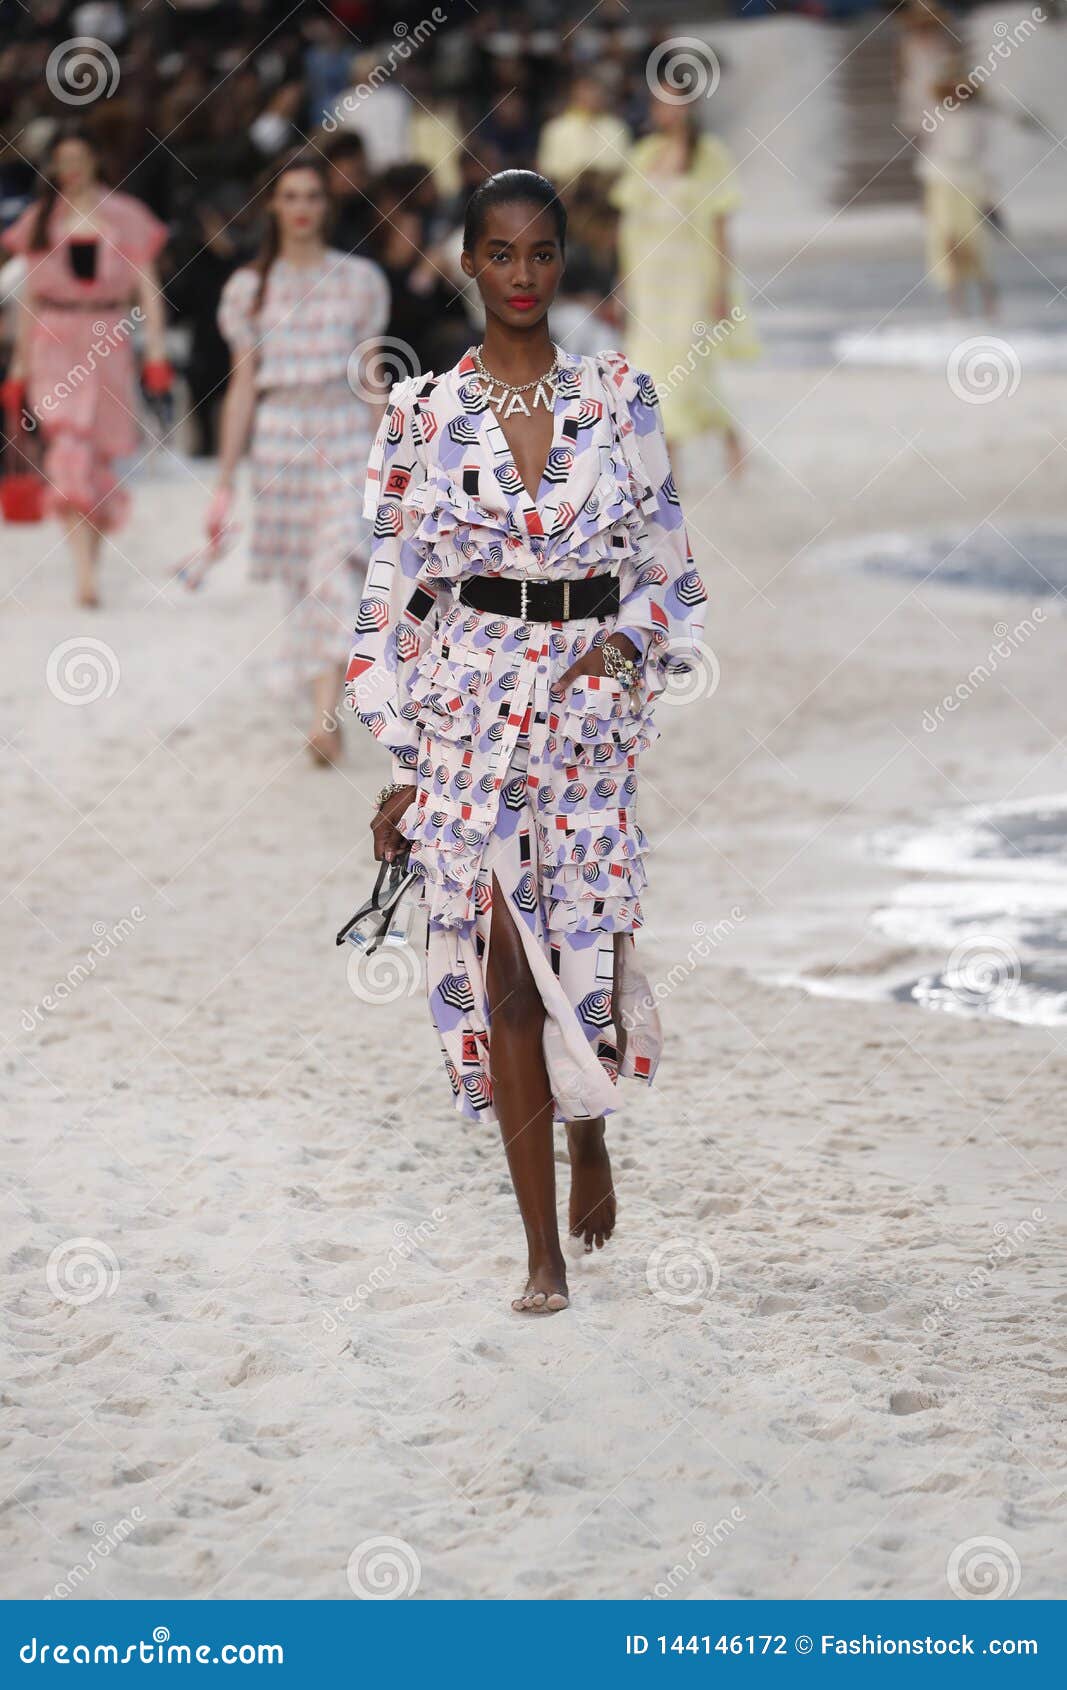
530,587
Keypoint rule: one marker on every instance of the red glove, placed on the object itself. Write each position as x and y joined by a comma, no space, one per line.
157,374
12,393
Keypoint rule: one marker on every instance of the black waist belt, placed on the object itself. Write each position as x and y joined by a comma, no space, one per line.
543,601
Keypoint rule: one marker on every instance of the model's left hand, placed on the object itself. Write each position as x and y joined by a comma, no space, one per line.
592,661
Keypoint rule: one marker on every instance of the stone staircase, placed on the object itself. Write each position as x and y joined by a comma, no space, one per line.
877,167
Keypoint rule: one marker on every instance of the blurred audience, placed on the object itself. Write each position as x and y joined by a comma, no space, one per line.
411,107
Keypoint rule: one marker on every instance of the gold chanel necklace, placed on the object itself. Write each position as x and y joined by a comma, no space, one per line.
507,398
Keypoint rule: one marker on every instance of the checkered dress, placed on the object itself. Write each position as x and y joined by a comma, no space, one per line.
310,443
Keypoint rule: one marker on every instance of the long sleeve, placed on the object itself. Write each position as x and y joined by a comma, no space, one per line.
662,595
397,615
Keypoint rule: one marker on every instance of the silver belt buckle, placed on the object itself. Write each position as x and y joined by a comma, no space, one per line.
522,601
566,600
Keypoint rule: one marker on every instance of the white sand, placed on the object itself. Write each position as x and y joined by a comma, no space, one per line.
217,1109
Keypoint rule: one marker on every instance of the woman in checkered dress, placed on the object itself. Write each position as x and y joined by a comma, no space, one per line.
302,324
530,592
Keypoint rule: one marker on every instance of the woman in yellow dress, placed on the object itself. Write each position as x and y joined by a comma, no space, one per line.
677,283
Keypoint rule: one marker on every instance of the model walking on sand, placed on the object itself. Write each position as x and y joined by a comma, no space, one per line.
91,279
295,319
530,586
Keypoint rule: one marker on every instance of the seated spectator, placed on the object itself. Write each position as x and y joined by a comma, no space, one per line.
427,313
508,136
348,184
584,136
378,111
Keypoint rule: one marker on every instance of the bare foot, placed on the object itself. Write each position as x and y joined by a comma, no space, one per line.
546,1288
88,601
324,745
592,1207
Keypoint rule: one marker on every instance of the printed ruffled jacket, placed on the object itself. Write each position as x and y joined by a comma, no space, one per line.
449,690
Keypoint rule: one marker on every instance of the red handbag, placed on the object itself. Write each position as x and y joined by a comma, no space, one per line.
21,490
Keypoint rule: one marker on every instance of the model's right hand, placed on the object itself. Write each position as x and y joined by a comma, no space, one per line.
218,512
389,842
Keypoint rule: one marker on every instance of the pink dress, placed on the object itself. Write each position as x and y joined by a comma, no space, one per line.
81,374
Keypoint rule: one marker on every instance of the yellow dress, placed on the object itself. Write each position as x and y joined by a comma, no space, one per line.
671,276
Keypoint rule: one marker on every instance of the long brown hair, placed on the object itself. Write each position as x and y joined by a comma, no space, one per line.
298,159
48,187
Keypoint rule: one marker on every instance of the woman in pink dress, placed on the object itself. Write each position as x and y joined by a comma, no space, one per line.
304,323
91,282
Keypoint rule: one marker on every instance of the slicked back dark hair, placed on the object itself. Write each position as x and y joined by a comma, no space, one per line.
512,187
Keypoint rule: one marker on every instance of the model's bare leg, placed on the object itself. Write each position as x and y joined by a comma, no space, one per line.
734,451
84,542
523,1101
324,740
592,1204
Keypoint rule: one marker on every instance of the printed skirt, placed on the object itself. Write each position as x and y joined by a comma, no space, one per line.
571,873
309,458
